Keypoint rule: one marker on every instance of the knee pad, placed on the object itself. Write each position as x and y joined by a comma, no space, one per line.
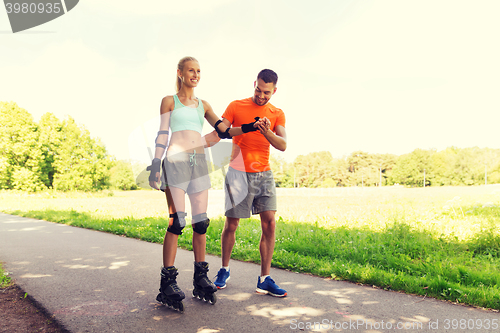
178,224
200,223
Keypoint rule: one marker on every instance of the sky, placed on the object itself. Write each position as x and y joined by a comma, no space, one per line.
384,76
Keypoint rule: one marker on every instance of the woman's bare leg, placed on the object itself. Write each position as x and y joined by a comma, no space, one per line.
176,203
199,205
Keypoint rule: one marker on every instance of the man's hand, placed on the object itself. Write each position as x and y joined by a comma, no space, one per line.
263,125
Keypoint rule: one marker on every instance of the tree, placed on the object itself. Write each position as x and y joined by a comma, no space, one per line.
282,171
340,172
409,168
19,153
81,162
442,166
365,169
50,131
122,177
328,183
491,160
313,168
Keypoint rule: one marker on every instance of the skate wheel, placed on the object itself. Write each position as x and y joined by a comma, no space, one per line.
212,299
177,306
197,294
180,307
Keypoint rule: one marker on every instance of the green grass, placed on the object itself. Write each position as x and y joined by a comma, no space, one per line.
5,280
422,244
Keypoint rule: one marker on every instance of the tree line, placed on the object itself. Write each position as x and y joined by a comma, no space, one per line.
61,155
54,154
452,166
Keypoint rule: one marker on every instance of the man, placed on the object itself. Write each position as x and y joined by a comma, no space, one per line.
250,187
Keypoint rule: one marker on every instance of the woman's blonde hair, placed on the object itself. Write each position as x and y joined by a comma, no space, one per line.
180,66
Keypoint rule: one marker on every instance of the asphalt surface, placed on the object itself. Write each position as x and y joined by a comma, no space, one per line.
97,282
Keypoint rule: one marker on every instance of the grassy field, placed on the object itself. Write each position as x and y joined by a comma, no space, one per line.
441,242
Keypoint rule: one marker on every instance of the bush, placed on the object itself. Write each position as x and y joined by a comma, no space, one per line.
122,177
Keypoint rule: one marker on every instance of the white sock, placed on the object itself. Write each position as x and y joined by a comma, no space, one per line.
226,268
262,278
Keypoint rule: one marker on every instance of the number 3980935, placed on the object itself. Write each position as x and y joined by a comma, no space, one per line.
33,8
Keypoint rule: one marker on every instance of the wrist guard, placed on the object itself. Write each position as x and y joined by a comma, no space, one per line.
154,168
249,127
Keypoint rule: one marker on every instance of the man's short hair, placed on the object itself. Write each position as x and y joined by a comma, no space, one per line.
268,75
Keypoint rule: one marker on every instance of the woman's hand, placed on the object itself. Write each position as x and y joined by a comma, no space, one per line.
154,176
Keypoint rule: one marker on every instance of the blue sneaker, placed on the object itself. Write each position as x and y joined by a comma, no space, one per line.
221,278
270,287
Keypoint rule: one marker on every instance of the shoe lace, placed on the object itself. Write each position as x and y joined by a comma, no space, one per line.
272,283
220,274
206,280
175,288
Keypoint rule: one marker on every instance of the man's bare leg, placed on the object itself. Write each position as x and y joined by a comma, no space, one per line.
228,238
267,241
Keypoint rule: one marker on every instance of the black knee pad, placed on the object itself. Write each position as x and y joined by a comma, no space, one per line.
200,223
178,224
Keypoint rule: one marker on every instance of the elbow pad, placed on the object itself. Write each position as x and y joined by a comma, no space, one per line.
160,144
224,135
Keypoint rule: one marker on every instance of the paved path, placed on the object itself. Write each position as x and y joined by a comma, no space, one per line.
98,282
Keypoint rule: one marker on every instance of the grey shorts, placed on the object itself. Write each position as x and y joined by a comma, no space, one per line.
186,171
250,193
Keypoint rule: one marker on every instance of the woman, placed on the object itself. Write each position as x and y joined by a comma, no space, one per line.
185,171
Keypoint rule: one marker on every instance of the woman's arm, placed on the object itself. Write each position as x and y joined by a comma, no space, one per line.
161,141
211,139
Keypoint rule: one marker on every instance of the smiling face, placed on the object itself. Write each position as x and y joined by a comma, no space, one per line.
263,92
190,74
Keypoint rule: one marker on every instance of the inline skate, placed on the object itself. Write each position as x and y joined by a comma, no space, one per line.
204,289
170,293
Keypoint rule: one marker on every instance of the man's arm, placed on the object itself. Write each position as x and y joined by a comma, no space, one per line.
277,140
224,125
